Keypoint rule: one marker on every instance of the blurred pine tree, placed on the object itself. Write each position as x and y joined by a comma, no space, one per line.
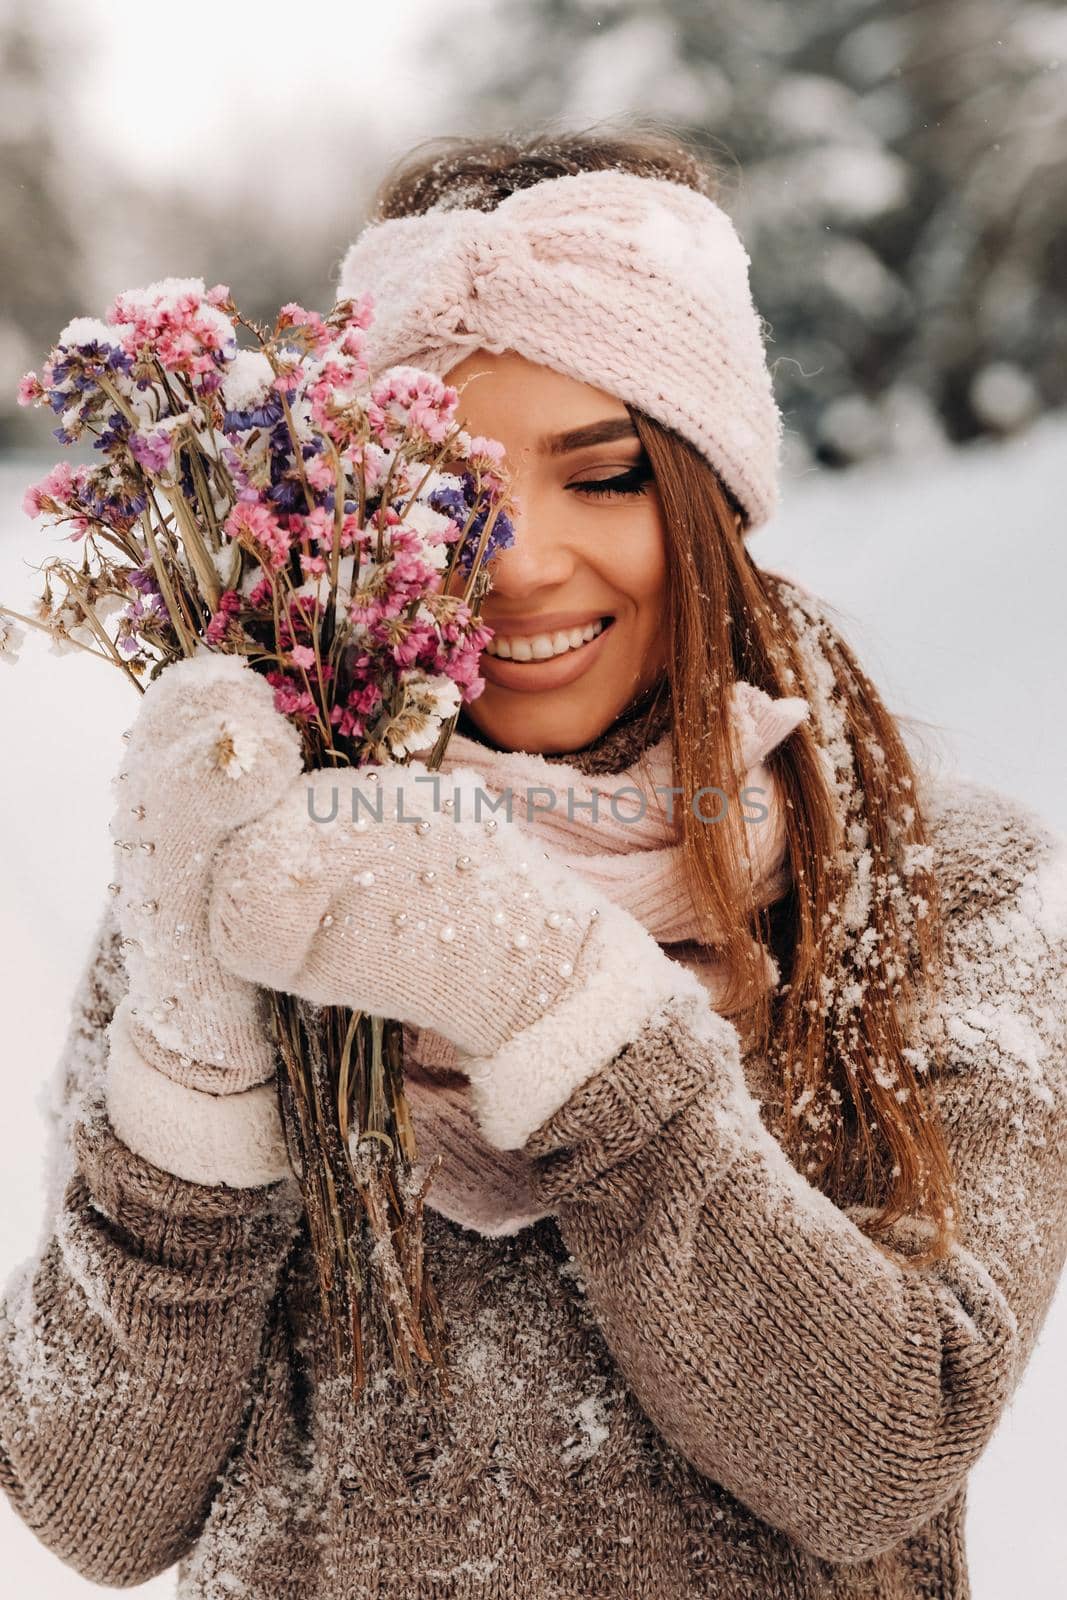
898,172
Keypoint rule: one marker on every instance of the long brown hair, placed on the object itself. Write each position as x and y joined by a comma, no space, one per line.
858,937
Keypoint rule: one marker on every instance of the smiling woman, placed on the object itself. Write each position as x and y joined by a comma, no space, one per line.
753,1197
590,554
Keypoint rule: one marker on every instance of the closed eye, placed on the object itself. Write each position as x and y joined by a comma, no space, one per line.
634,481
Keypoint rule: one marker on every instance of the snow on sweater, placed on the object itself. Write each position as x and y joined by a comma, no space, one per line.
698,1378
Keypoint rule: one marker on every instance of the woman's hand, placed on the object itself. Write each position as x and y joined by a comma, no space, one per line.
469,927
207,753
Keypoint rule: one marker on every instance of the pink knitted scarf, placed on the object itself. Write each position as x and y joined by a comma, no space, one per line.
630,852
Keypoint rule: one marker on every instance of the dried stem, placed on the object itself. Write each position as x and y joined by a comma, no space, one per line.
363,1225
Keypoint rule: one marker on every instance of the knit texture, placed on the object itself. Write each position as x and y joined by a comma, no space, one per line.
623,837
700,1377
637,286
627,847
207,752
495,949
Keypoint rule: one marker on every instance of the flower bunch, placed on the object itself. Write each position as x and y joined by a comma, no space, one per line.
271,499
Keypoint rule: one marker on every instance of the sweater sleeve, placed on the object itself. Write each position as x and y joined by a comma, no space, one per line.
841,1394
129,1343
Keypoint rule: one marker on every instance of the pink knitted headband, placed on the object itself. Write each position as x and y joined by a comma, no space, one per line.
637,286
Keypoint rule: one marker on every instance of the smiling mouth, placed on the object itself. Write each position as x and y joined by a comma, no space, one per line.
545,646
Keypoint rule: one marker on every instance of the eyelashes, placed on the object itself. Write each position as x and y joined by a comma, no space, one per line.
634,481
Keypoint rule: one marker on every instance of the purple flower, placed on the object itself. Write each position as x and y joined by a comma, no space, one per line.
152,450
115,433
143,579
264,416
502,535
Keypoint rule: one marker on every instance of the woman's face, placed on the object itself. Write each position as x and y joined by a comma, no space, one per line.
589,552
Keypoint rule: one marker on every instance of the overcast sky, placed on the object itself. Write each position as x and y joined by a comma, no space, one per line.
220,86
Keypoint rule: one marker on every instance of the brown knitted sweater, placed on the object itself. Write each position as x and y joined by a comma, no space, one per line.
700,1378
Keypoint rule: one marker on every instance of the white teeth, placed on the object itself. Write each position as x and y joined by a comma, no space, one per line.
542,646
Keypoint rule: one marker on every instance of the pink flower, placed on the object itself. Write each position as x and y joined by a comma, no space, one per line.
286,381
358,313
319,473
487,449
315,526
318,335
152,450
290,699
178,323
419,637
407,398
334,386
257,524
353,344
52,493
302,655
362,703
353,532
30,390
369,460
229,606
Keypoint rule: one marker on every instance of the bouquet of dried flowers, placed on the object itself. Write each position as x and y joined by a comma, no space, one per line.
268,498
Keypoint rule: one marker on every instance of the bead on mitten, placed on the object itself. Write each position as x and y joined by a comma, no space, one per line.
190,1055
207,753
442,920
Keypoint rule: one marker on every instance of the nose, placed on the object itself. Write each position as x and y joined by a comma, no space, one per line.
541,557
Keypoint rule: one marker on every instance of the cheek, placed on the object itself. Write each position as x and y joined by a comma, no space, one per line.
640,568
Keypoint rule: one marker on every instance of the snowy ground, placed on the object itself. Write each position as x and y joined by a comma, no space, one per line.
950,575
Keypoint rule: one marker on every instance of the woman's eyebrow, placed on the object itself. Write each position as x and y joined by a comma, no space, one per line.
605,432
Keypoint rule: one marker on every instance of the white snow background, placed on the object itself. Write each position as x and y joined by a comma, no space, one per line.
951,571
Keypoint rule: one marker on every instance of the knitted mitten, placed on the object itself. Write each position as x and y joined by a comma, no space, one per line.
444,921
207,752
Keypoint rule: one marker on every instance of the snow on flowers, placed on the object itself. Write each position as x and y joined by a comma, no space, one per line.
272,499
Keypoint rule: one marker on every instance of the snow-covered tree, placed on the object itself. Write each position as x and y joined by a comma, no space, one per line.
40,258
898,172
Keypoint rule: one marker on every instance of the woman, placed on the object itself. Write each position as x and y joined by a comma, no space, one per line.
752,1196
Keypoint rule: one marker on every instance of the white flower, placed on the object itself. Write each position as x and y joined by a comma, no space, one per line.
70,629
429,701
11,640
236,750
446,693
431,527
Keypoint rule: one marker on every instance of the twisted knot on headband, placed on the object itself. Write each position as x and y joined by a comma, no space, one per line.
637,286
